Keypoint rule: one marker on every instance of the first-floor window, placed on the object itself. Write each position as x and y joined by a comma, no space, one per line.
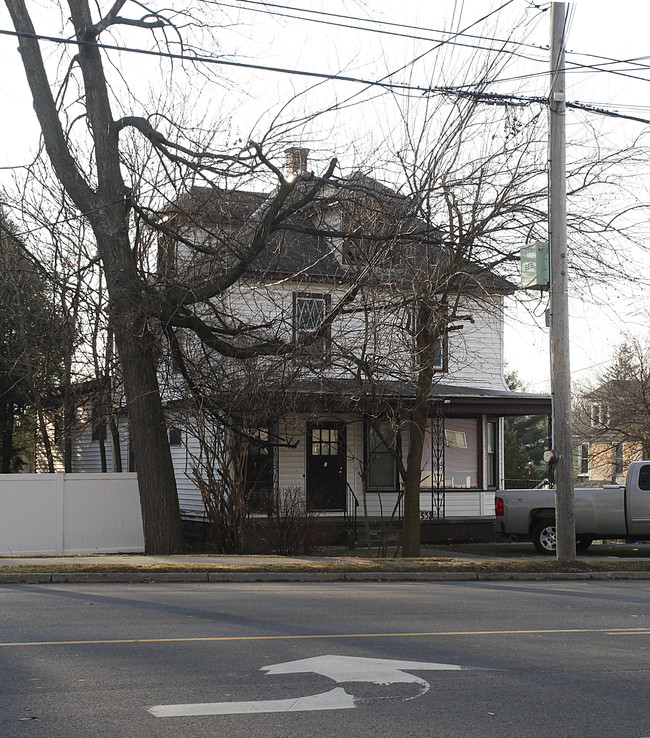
175,436
259,473
461,453
491,454
382,471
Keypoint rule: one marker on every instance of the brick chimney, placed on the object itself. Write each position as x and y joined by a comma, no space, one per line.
296,161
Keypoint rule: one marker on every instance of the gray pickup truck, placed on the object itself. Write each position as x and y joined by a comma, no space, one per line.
612,511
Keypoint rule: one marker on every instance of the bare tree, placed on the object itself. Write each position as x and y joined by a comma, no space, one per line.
98,190
31,343
464,199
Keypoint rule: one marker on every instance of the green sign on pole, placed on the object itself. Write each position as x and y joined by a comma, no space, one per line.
534,265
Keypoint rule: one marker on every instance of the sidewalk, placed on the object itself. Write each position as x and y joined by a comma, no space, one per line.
435,565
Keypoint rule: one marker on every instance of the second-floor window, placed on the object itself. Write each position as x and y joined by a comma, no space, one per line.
583,460
599,415
439,353
309,312
439,345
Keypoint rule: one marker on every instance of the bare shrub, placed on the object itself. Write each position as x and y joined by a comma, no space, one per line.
289,526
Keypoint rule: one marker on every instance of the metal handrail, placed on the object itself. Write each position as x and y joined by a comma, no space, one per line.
356,505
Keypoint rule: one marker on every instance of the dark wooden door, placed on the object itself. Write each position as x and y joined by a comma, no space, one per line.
326,466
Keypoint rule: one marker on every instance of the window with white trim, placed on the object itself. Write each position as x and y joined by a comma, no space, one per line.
599,415
382,470
461,453
583,460
491,454
309,312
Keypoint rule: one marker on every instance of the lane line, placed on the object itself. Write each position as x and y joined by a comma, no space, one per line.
325,636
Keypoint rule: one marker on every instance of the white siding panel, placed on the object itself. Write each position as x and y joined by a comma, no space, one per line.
69,514
31,519
460,504
102,513
291,461
463,504
189,496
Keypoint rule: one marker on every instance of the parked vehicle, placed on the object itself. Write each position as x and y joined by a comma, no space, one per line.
612,511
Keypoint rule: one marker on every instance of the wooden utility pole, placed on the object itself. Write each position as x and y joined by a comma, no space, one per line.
559,285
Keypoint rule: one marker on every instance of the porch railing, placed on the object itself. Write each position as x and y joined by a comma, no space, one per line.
351,509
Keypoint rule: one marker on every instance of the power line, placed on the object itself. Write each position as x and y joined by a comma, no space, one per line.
381,31
575,66
221,62
460,91
376,21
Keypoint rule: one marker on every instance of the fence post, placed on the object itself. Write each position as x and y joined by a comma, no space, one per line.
60,511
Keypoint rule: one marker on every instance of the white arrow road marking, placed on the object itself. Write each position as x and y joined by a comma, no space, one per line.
336,699
338,668
353,669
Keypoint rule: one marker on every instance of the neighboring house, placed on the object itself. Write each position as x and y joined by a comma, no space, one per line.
603,451
99,438
310,428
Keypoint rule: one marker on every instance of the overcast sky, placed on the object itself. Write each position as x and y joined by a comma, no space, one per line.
268,36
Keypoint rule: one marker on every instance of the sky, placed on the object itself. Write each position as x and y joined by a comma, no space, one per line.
271,35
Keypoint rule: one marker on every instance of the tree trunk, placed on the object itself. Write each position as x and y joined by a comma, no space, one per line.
136,348
106,208
6,423
68,417
115,439
38,404
417,431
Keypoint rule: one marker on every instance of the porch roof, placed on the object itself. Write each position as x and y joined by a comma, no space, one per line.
348,395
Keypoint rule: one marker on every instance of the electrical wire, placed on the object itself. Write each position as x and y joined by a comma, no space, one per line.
574,66
380,31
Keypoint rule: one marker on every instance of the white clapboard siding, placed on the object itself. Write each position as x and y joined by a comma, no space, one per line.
189,496
292,460
475,352
458,504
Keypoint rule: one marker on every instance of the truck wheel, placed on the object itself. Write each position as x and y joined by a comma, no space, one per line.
583,543
544,537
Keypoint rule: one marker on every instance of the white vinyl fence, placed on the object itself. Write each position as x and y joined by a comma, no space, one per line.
69,514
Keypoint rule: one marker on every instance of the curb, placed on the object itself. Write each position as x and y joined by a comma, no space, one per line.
262,577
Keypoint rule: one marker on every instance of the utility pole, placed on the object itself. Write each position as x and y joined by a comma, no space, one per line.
559,294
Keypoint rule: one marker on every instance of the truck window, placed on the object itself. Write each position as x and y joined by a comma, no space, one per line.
644,477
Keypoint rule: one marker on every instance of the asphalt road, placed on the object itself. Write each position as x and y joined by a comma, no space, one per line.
536,658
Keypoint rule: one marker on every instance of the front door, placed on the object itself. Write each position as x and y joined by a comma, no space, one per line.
326,466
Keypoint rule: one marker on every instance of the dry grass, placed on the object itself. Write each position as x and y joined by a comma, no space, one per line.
342,565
